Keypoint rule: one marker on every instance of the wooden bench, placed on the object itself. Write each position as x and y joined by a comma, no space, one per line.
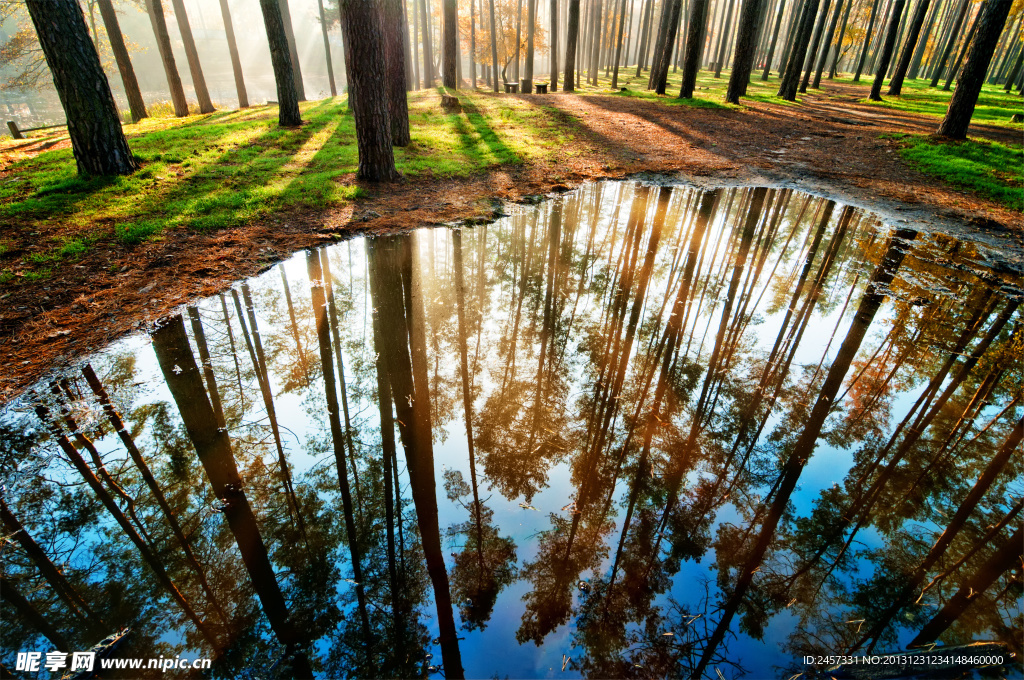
542,88
18,133
511,88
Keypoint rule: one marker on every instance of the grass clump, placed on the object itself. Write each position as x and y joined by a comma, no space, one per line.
990,169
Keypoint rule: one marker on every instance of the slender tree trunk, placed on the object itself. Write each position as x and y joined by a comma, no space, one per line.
791,78
472,41
954,32
896,82
572,35
955,70
287,99
10,594
414,40
961,107
618,45
124,63
887,49
743,62
155,10
867,40
428,50
236,62
293,50
839,42
97,139
450,37
1011,78
365,60
826,47
394,47
774,40
1005,558
812,51
192,55
531,25
327,47
922,42
723,42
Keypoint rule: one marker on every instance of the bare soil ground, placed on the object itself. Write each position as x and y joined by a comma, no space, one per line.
829,145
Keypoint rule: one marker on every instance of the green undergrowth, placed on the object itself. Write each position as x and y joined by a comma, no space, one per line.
231,168
990,169
994,107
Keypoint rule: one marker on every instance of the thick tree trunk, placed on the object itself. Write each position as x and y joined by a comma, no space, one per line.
362,27
571,36
979,54
887,49
398,100
124,62
694,46
659,69
97,139
743,61
236,62
909,45
293,51
192,55
287,99
11,595
450,39
553,47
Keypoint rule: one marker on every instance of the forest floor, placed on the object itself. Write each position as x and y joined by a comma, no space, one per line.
830,143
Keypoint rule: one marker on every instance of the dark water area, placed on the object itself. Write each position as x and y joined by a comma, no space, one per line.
633,431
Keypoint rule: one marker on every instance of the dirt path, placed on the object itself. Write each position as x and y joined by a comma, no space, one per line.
829,145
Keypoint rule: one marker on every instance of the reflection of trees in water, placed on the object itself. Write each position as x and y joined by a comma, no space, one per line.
682,353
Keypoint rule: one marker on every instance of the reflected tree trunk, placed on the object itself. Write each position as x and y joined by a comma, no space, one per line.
10,594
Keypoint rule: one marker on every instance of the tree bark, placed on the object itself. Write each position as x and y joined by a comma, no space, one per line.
97,140
979,54
192,55
398,100
327,44
124,62
494,48
236,62
428,49
450,38
362,26
791,78
774,40
11,595
553,47
826,47
571,36
743,61
288,114
950,43
531,25
293,51
867,41
887,49
155,10
815,42
909,46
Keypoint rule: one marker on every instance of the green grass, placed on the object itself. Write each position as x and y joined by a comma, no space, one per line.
708,93
231,168
994,106
990,169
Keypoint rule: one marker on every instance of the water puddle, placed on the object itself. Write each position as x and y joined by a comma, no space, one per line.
633,431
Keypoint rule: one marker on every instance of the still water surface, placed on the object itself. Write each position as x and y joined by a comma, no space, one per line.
633,431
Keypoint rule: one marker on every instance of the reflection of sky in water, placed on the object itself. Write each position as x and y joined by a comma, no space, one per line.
582,314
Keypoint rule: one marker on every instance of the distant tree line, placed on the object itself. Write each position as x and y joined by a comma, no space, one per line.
386,54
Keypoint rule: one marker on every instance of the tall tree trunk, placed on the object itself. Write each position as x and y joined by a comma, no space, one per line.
10,594
97,139
812,50
722,43
839,41
293,50
659,69
746,44
553,47
361,24
213,447
124,62
398,100
472,42
236,62
531,25
287,98
618,44
791,78
774,40
192,55
571,36
909,45
428,50
867,40
950,43
155,10
922,42
979,54
826,46
955,70
1006,557
327,45
887,49
450,38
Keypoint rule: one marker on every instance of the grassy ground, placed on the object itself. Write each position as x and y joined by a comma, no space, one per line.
990,169
994,107
232,167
